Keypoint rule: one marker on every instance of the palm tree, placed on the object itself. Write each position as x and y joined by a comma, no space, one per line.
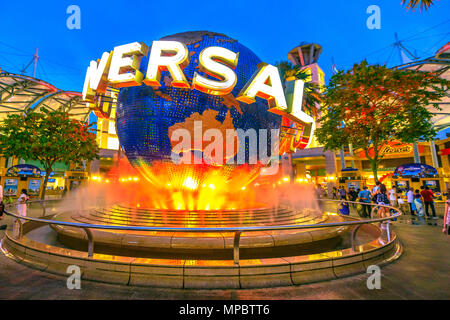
311,95
413,4
311,102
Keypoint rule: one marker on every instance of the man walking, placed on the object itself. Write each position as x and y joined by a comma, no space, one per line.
365,197
334,192
410,199
353,195
427,196
342,193
376,189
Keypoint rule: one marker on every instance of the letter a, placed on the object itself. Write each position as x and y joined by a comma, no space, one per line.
374,280
73,281
374,21
73,21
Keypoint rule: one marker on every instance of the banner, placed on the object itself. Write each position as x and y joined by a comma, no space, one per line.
34,187
24,170
10,188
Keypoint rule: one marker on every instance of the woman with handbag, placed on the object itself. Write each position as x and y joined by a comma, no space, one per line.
382,199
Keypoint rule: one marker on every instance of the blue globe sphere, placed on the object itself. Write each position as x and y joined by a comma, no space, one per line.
145,115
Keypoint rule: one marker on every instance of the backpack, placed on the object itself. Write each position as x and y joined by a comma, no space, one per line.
382,197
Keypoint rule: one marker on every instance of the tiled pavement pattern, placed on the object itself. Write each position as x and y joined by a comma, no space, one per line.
421,273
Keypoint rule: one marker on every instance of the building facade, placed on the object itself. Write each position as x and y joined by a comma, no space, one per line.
351,168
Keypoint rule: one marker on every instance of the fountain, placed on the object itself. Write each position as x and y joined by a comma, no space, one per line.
197,223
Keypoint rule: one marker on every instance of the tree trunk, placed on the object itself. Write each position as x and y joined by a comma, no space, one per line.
374,162
44,186
374,165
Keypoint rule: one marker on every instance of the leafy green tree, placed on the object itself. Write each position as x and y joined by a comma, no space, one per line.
50,137
371,105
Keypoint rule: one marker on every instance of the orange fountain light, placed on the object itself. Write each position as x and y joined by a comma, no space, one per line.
191,187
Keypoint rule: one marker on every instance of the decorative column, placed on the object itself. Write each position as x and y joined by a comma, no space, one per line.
342,158
416,153
434,157
350,148
10,162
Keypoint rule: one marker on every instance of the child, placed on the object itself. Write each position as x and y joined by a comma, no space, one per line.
401,203
418,204
344,207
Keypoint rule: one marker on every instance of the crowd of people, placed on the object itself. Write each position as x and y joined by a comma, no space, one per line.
419,203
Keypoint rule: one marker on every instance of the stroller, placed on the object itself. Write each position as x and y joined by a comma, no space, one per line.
344,208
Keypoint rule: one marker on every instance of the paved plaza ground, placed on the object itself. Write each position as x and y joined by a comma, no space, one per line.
422,272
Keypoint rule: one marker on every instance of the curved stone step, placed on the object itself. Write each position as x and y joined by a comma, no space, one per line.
205,274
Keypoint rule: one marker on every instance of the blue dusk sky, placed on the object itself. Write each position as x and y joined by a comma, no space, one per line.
269,28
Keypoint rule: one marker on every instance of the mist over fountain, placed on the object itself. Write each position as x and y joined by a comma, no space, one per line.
135,202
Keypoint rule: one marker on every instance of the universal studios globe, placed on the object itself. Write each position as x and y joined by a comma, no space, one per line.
146,116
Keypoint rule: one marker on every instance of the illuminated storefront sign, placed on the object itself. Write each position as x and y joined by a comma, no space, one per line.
418,170
396,149
393,148
23,170
121,68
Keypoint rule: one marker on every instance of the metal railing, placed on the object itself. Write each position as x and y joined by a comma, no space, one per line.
18,226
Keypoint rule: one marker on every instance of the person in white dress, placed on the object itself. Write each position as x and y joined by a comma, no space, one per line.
22,203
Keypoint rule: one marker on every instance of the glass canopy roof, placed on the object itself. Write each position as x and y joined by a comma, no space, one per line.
440,63
20,94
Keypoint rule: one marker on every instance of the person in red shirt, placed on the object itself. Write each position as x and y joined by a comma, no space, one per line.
428,196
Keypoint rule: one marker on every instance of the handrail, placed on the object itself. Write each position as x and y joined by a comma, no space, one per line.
236,230
215,229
